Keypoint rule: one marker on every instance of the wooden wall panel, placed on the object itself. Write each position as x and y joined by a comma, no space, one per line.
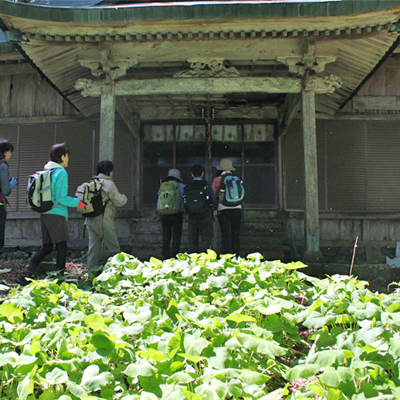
376,85
23,95
5,96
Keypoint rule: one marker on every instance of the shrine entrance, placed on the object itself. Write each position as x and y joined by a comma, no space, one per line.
251,147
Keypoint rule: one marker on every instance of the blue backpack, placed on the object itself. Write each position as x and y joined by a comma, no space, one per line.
231,193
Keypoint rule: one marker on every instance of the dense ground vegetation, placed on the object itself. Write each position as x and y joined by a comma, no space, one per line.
200,328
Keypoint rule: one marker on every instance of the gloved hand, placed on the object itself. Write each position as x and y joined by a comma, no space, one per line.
13,183
81,204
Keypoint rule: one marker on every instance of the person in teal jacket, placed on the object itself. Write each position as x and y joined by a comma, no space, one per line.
53,223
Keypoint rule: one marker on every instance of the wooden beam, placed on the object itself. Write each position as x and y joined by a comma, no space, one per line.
134,87
256,113
14,69
293,103
107,122
361,117
376,103
11,56
40,120
193,85
127,113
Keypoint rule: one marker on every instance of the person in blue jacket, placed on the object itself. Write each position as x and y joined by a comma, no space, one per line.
53,223
6,184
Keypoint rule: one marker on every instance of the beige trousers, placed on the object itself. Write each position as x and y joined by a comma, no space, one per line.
98,239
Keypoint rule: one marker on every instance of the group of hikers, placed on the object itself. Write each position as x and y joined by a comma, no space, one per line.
97,199
212,210
53,221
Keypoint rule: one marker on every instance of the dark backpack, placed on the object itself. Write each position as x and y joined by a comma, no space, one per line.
195,200
169,200
231,193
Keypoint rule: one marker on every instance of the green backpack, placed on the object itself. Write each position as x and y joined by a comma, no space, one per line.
169,200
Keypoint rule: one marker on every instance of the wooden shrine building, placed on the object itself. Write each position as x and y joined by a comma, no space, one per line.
302,96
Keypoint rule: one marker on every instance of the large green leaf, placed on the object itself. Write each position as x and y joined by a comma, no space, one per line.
95,322
93,380
56,376
333,377
103,343
11,312
238,318
194,344
98,300
142,368
262,346
303,371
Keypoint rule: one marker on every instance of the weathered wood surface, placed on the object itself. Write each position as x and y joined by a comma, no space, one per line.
292,104
126,110
5,95
191,19
28,95
107,123
311,217
193,86
376,103
247,112
16,69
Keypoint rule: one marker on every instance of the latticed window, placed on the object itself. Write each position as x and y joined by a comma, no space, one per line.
251,147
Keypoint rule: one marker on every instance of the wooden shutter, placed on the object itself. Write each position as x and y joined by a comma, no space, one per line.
383,166
346,186
10,133
35,142
294,167
79,139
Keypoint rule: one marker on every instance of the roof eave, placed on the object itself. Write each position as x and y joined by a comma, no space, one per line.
222,9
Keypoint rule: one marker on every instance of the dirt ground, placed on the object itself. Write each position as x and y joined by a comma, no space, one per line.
8,278
74,267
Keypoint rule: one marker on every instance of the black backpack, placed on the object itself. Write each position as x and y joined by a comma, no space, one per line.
195,200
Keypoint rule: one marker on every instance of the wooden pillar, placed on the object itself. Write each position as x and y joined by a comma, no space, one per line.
107,121
311,211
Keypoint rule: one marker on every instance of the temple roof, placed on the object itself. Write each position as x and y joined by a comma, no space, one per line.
160,40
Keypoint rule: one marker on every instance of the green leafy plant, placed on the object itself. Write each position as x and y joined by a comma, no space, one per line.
199,327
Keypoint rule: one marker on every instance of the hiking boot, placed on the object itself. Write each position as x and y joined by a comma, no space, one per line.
22,279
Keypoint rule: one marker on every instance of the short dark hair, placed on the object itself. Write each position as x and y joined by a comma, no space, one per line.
57,151
197,170
5,145
105,167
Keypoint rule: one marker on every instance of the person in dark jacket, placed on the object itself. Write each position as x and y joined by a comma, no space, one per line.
6,184
200,224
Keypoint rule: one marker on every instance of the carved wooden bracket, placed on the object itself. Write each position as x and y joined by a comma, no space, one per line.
108,66
299,65
203,68
327,84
